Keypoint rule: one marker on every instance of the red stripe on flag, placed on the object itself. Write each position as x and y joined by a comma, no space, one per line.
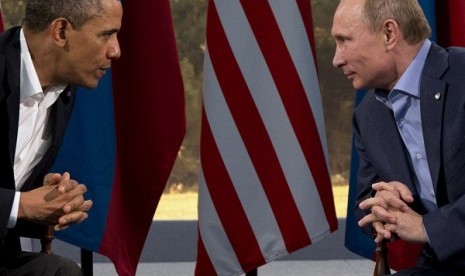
457,22
254,135
204,266
293,95
305,8
227,203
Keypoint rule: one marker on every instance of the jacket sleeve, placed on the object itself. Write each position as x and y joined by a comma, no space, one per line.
6,203
366,176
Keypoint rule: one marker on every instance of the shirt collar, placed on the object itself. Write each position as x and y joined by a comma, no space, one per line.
409,82
29,84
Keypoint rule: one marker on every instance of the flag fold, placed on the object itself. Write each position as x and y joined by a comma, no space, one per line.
264,187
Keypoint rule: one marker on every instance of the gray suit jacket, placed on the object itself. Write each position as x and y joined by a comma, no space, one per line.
9,116
383,156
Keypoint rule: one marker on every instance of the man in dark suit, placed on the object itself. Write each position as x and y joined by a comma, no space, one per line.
60,45
409,129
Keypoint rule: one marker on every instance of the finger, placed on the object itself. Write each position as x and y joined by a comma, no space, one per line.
377,214
390,227
79,190
52,179
367,220
393,201
63,188
380,238
383,201
374,201
66,176
381,232
403,190
67,185
83,218
74,217
399,189
59,227
392,197
86,206
74,204
379,186
383,215
78,204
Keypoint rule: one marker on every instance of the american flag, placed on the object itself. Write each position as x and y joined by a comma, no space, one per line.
264,186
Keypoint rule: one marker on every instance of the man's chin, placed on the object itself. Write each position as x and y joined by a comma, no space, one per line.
90,84
357,85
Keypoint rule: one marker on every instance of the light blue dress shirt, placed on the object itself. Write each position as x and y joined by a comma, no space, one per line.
404,100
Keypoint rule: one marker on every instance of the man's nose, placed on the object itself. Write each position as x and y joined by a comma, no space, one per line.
337,59
114,51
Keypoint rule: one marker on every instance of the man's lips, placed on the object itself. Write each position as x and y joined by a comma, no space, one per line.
101,71
349,75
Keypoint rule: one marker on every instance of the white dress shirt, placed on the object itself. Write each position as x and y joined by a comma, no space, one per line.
34,137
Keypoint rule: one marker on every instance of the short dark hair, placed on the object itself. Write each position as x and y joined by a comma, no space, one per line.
40,14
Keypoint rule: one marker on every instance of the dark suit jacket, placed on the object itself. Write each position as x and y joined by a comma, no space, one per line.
9,116
383,156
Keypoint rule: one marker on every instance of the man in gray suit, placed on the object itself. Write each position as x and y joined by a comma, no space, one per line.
60,45
409,129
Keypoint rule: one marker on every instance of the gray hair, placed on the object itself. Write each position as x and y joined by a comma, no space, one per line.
40,14
407,13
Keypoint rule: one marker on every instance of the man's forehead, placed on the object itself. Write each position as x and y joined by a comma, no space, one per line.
349,8
348,15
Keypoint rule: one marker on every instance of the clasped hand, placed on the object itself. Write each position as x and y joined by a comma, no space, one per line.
59,202
390,214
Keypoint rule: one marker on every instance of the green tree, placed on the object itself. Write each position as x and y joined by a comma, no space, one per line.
13,12
189,19
337,94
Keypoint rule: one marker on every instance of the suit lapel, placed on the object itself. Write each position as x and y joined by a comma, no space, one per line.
12,56
388,155
395,152
433,92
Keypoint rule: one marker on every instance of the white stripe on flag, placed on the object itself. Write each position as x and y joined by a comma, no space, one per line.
273,114
297,42
260,211
212,234
240,167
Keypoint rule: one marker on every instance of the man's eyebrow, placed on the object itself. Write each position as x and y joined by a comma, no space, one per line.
109,32
340,37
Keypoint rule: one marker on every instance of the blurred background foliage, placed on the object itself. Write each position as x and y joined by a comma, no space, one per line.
189,17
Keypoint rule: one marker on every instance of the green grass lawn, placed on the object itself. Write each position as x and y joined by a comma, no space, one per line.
183,206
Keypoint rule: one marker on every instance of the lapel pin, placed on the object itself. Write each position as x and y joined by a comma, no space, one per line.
437,96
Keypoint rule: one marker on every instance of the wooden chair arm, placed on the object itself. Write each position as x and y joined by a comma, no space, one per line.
382,264
46,241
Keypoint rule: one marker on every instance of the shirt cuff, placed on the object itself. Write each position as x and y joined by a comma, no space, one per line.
14,211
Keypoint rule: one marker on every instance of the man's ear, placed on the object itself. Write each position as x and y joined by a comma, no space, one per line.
391,33
60,27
